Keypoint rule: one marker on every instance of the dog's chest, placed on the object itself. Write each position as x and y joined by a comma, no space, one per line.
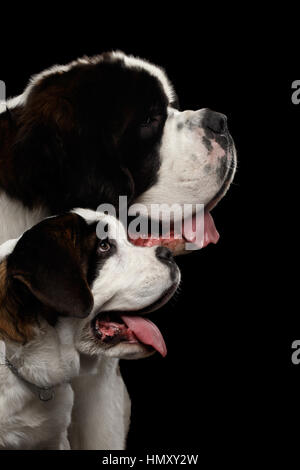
15,218
33,424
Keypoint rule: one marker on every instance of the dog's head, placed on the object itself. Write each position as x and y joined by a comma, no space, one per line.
110,125
61,272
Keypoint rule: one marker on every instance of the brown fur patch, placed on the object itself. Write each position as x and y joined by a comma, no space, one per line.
3,271
48,269
11,326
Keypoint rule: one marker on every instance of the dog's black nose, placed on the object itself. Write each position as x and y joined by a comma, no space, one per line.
215,122
164,254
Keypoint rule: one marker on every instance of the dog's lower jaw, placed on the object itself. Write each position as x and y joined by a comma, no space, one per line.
91,350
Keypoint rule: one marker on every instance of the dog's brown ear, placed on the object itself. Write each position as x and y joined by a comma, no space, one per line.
49,262
67,295
12,326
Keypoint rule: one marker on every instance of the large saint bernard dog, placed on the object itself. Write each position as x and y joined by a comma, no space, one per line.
86,133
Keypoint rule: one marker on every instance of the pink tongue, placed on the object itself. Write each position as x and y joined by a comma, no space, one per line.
211,234
146,332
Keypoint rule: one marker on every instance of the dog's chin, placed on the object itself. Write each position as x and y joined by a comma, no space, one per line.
89,345
129,351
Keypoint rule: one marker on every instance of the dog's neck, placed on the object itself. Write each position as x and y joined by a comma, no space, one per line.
15,218
11,118
58,360
35,378
26,340
8,132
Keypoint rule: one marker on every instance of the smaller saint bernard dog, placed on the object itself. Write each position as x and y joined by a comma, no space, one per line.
63,292
82,135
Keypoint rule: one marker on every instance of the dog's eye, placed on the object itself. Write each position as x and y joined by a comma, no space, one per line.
151,120
150,126
104,246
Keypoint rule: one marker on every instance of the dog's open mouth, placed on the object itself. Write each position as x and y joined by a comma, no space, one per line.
176,241
189,233
111,328
114,327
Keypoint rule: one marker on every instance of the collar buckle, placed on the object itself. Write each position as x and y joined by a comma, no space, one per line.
46,394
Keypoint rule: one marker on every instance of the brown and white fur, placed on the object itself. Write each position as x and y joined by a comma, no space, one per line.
54,282
85,133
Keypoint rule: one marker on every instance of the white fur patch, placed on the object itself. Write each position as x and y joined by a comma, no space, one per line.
123,284
7,248
15,218
49,359
183,177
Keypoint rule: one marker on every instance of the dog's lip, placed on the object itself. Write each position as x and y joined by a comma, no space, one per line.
175,242
166,295
130,327
138,331
219,195
211,235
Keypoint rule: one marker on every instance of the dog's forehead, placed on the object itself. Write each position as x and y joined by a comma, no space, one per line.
129,61
157,72
113,228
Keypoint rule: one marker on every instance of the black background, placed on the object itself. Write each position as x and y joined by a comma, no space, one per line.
227,381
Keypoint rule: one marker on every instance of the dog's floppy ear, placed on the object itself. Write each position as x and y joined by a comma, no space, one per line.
40,151
49,262
65,162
